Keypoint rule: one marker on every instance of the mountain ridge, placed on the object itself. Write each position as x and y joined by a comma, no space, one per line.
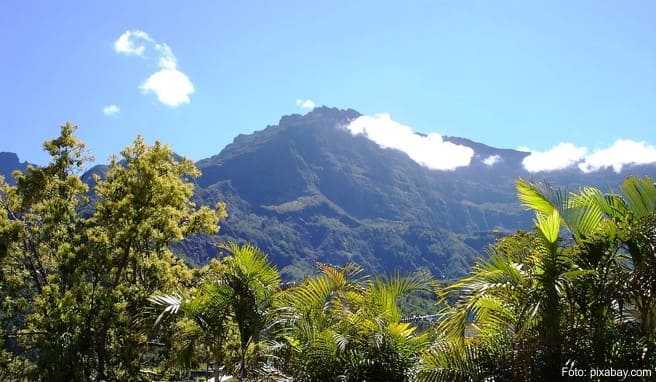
308,190
9,163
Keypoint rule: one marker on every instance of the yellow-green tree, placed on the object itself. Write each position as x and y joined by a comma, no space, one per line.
77,273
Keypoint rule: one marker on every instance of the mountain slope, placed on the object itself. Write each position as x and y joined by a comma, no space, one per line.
308,190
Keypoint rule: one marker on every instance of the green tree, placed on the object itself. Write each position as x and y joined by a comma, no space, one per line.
143,206
554,298
347,327
237,293
40,234
79,274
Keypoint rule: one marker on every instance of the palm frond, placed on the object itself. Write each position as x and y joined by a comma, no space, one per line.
540,198
251,263
446,361
171,304
549,226
640,195
385,293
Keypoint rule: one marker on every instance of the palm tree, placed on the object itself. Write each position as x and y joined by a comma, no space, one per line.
202,322
631,216
254,282
607,228
502,300
514,293
238,291
347,327
315,307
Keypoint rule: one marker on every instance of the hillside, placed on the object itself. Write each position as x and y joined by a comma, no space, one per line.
308,190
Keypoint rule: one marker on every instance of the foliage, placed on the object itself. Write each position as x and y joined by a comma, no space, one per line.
74,281
345,326
549,299
91,288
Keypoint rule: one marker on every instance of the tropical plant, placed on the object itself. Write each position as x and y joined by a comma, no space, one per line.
235,294
549,299
344,326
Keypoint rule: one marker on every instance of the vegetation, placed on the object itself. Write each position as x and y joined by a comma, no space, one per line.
74,277
91,290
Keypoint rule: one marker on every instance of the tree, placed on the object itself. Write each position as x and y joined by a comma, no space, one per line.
240,288
143,206
40,233
553,298
80,273
347,327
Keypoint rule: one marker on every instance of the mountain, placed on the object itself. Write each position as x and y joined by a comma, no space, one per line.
9,162
308,190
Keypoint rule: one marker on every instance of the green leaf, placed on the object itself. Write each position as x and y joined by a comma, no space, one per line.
549,226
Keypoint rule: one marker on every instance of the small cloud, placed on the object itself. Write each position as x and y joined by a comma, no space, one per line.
110,110
305,103
558,157
492,160
523,149
621,153
171,86
428,150
131,42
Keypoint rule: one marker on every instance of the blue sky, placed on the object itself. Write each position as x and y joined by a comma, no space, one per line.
505,73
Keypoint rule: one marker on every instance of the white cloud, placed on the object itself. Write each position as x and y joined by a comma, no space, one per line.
559,157
171,86
621,153
430,150
131,42
305,103
492,160
166,57
111,110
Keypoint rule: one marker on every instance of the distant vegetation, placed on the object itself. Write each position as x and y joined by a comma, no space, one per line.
91,290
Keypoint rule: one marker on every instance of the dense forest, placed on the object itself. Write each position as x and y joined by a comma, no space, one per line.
91,289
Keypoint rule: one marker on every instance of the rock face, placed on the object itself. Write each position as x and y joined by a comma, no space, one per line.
308,190
8,163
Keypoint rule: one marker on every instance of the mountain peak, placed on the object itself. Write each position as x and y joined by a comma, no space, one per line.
9,162
8,157
320,113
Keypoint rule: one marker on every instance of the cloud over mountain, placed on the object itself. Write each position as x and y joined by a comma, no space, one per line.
429,150
559,157
621,153
492,160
